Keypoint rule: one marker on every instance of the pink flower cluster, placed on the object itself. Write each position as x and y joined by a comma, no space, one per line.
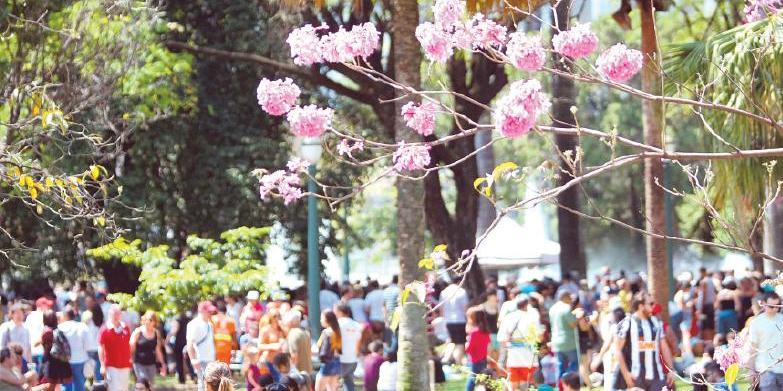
732,353
285,184
277,97
577,42
486,33
411,157
342,46
436,43
756,10
346,148
309,121
420,118
619,64
516,113
526,52
448,13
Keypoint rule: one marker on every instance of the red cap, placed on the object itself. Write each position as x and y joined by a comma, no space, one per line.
206,306
43,303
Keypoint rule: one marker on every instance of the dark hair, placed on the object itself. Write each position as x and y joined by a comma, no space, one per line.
221,306
50,319
98,387
395,279
282,359
70,312
478,317
16,348
637,301
343,308
390,356
331,320
618,314
97,314
376,346
5,354
277,387
571,379
769,295
730,285
373,284
712,367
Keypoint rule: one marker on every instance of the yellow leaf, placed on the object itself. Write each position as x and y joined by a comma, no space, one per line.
731,374
503,168
100,221
439,248
95,172
427,263
37,105
28,181
33,193
23,180
39,209
478,182
488,192
15,171
59,182
49,182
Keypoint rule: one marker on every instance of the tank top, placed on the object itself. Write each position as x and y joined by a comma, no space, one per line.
726,304
145,349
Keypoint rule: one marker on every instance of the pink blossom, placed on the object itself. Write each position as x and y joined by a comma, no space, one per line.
461,37
516,112
526,52
286,185
411,157
732,353
297,165
486,33
364,41
618,63
304,43
577,42
420,118
756,10
448,13
346,148
332,48
436,43
277,97
269,182
309,121
290,191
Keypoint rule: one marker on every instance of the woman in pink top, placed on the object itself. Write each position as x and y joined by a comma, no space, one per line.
477,343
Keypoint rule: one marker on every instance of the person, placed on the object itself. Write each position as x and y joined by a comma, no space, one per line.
372,364
387,373
278,387
298,341
356,303
53,370
727,303
477,344
270,336
252,311
706,304
564,325
146,346
114,350
77,335
11,377
747,290
519,342
765,328
373,302
13,331
225,333
200,339
606,355
570,381
234,311
93,318
217,376
350,334
639,348
178,340
34,324
390,295
329,349
253,374
327,297
454,302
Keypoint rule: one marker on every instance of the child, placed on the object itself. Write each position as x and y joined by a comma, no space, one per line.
477,343
716,377
387,374
548,366
253,372
372,364
570,381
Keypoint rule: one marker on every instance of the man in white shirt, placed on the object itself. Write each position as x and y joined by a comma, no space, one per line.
77,334
373,302
518,333
327,299
390,296
766,330
454,303
350,333
200,337
34,324
14,331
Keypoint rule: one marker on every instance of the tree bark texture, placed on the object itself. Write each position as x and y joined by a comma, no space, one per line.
652,111
773,237
413,367
572,255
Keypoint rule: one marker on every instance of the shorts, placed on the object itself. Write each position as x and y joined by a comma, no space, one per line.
457,333
708,321
330,368
521,375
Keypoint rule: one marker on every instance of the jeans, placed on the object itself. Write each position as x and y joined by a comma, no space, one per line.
475,369
346,371
38,359
769,381
98,377
567,362
78,378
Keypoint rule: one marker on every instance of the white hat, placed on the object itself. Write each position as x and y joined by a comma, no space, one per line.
253,295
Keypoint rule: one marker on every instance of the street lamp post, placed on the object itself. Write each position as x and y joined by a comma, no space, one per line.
310,150
346,260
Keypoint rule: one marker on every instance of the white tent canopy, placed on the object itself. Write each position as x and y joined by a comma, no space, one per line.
511,246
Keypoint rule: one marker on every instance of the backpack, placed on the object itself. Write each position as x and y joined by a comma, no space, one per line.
61,349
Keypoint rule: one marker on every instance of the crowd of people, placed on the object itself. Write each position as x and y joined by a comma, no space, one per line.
543,333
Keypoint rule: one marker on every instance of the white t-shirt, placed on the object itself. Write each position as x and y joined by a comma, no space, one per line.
77,335
10,332
373,302
327,299
92,336
201,334
515,329
357,309
34,325
455,303
765,337
387,376
350,333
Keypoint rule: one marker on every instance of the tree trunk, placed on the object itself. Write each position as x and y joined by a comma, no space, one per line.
410,206
572,256
657,265
485,162
773,238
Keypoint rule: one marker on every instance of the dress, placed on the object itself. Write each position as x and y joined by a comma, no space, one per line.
53,370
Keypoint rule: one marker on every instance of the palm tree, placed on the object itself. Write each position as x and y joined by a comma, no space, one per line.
740,67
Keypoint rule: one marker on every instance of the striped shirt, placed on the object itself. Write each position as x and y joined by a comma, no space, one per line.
641,349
